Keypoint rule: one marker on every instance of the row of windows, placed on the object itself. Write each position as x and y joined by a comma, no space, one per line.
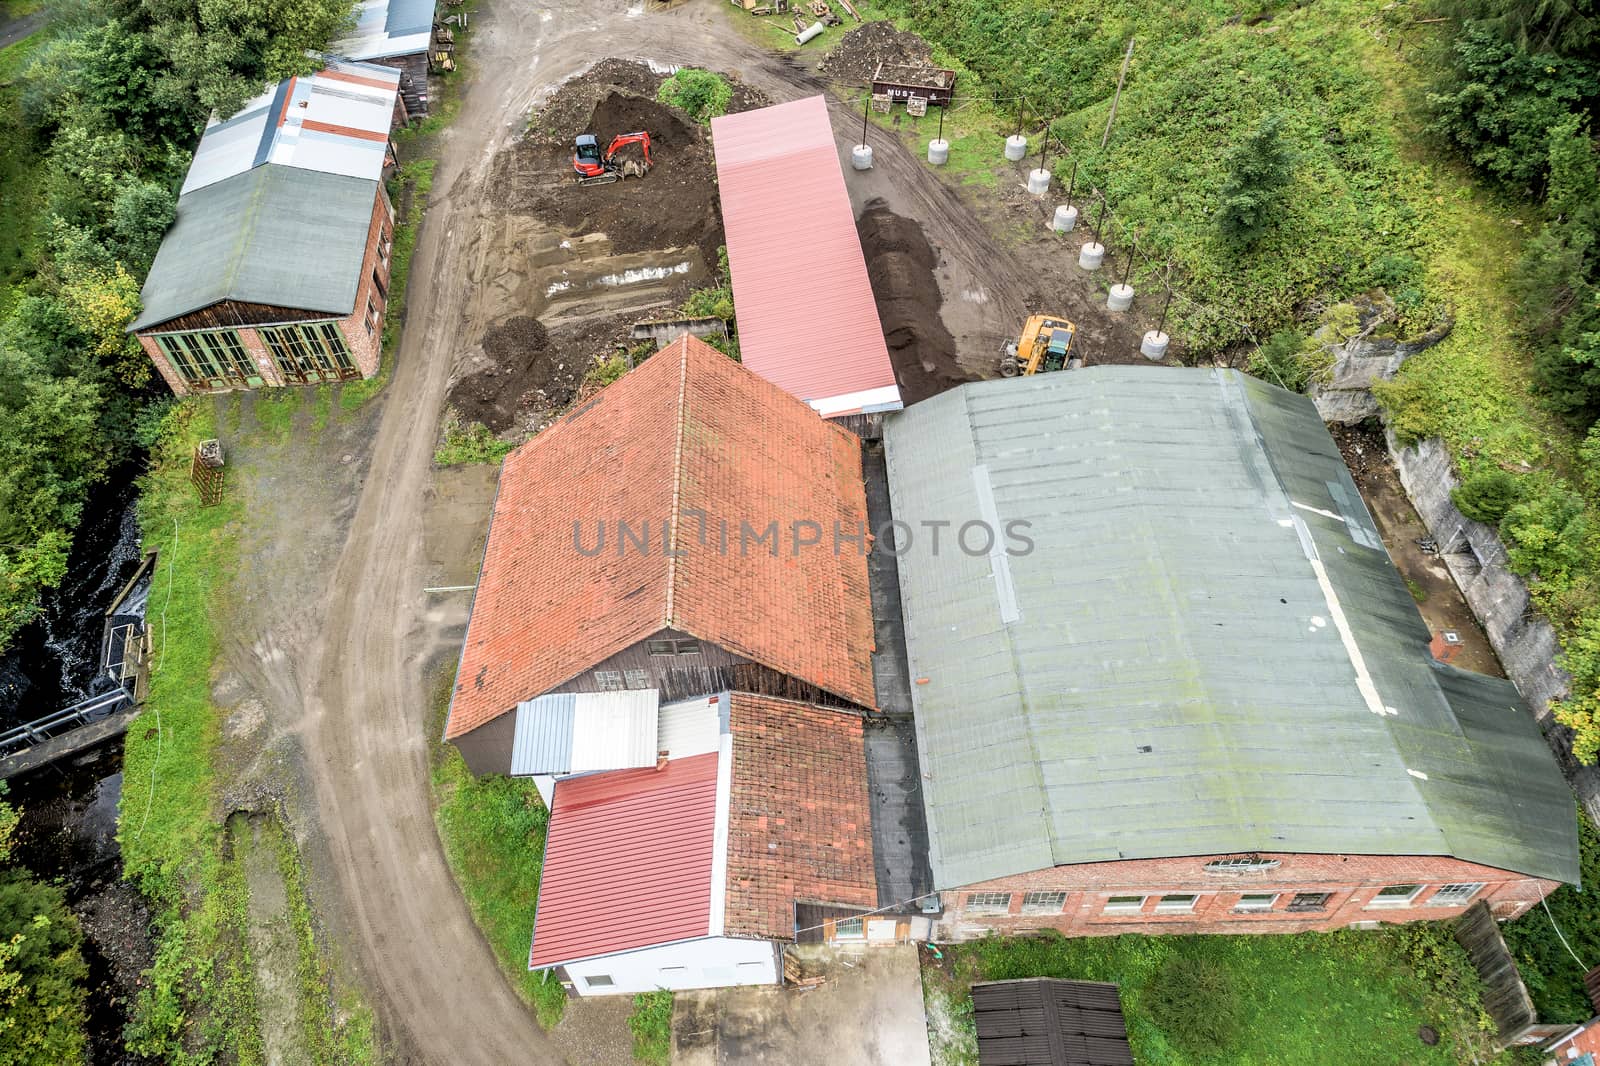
1452,895
216,358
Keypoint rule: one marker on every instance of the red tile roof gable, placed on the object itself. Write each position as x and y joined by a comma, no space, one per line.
689,431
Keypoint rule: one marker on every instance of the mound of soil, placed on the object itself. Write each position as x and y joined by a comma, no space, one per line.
900,264
675,205
857,55
536,374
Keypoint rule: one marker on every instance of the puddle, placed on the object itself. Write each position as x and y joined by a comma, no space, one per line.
635,276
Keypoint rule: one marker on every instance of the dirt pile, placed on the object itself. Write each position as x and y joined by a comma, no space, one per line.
857,55
535,374
900,264
675,205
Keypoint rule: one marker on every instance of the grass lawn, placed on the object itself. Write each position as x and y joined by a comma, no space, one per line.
200,1000
1354,998
493,833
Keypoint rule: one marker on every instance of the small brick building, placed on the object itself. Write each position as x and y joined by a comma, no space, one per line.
689,873
276,268
1194,694
645,542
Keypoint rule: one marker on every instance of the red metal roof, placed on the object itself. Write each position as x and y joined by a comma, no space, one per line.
690,431
627,861
806,316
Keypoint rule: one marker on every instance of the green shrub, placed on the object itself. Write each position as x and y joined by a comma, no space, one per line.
470,442
1553,977
1486,495
1195,1003
651,1023
1259,169
701,94
1281,361
1547,531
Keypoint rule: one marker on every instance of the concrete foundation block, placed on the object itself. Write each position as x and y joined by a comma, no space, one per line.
1154,346
1066,219
938,152
1120,298
861,157
1016,147
1038,182
1091,255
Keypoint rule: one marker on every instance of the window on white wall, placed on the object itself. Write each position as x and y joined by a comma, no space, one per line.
598,980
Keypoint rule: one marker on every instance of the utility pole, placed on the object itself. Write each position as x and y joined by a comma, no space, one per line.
1127,57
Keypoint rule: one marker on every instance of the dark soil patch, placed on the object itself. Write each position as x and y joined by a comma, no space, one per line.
536,374
857,55
900,264
673,206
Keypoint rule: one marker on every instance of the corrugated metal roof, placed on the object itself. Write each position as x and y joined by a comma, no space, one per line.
273,235
692,727
581,732
386,28
336,122
542,740
1048,1022
628,861
1209,655
796,251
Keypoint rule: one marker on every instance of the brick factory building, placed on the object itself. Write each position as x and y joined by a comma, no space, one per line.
1180,686
634,550
276,268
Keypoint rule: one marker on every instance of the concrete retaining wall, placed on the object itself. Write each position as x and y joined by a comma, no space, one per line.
1476,558
1346,397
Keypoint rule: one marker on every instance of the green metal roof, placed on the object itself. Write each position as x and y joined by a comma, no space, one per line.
1207,651
277,235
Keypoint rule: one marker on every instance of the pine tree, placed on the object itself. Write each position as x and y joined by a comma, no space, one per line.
1258,171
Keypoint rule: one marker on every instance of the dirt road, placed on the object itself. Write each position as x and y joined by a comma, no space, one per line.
336,635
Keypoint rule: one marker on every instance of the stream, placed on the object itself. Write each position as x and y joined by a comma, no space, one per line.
69,809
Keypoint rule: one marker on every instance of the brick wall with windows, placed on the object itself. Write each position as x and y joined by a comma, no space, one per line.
1282,893
363,327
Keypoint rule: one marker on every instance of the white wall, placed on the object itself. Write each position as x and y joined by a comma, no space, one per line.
710,962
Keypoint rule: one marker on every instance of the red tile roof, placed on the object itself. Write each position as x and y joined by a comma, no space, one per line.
627,862
799,253
689,430
799,821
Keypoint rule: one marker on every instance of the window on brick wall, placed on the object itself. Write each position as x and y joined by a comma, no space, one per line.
988,902
1124,904
310,353
384,246
1310,901
209,359
1245,865
1456,895
372,315
377,283
608,680
1043,902
1395,896
1256,901
1176,903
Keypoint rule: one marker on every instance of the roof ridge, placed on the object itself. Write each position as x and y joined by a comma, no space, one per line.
677,477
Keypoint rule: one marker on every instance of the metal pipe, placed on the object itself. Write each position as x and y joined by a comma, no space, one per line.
1070,179
1044,145
942,110
1101,221
1162,322
1134,247
866,112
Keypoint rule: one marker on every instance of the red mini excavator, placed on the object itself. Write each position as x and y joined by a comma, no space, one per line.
596,168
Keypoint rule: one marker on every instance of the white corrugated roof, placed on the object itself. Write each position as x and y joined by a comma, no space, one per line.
336,121
692,727
614,730
388,28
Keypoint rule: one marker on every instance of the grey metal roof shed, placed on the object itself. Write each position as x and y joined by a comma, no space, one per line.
1207,650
